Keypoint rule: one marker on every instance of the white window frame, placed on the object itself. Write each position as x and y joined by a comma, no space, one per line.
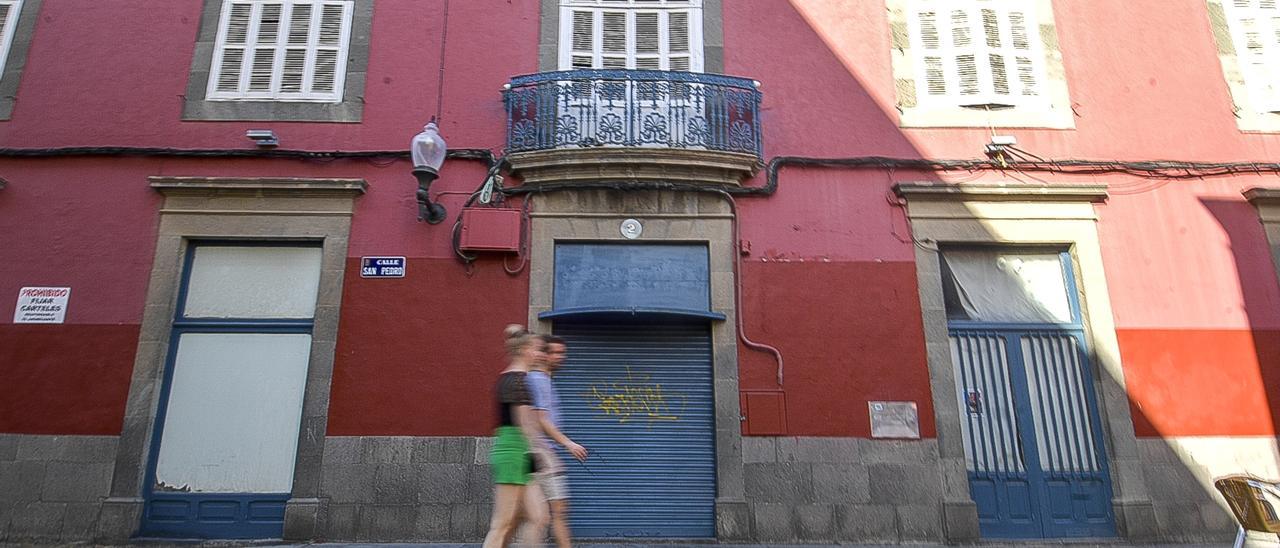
274,93
9,30
631,7
987,96
1254,76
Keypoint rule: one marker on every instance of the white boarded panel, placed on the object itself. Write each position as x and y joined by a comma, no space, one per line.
234,409
253,282
1002,286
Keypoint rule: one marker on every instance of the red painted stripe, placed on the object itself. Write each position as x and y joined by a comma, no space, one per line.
1202,382
65,379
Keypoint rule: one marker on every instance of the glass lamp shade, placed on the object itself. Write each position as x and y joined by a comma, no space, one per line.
428,149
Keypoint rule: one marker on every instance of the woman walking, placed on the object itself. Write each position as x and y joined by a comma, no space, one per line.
517,434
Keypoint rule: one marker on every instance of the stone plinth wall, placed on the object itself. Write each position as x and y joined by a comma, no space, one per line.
52,487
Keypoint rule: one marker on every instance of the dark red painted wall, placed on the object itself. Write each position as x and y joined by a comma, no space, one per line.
849,333
84,85
65,379
416,356
89,226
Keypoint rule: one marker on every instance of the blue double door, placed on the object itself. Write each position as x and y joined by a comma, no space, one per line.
1033,441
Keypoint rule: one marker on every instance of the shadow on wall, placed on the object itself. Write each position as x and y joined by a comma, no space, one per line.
822,211
1251,381
1234,373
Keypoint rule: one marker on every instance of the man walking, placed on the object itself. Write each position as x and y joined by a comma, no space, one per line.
546,404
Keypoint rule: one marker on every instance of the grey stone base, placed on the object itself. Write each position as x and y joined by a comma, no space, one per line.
844,489
119,519
1136,521
960,521
52,487
388,489
1181,509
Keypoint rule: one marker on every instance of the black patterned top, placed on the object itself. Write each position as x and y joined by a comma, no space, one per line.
511,392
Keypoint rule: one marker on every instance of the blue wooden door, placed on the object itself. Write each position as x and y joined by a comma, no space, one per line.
639,397
1032,436
1033,443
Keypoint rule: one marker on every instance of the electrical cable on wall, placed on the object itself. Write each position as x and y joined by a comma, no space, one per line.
523,251
444,40
739,313
1155,169
482,154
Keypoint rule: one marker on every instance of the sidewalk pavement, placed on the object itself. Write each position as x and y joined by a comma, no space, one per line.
1252,543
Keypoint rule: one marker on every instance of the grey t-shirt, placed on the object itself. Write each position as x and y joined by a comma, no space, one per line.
544,395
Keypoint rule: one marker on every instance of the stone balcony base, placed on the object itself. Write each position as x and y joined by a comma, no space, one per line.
605,164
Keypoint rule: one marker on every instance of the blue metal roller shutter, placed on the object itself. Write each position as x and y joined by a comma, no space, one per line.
640,398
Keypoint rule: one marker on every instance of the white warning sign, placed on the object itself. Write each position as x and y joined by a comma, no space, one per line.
42,305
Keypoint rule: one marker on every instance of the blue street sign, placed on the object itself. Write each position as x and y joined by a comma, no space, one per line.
381,267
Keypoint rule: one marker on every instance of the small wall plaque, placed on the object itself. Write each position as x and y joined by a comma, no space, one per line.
631,229
894,419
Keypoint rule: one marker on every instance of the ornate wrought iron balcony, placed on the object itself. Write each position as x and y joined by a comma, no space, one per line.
714,117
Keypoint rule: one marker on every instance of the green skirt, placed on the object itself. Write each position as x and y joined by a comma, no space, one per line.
510,456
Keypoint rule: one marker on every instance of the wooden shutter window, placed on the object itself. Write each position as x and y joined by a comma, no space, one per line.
631,34
976,53
1255,30
9,10
283,50
582,40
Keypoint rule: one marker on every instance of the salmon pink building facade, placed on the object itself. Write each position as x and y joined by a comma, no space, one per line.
875,271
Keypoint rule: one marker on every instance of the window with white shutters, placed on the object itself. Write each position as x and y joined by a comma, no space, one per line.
631,34
9,10
283,50
1255,30
977,53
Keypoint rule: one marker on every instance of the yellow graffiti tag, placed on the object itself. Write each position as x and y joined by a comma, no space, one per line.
633,398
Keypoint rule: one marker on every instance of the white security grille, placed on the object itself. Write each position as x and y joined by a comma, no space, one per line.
283,50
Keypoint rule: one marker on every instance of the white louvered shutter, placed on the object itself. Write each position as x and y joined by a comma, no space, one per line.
286,50
1255,30
9,10
631,34
977,53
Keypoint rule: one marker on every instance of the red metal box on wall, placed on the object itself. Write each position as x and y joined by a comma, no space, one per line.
490,229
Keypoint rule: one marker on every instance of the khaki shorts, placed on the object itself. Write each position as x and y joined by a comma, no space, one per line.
555,486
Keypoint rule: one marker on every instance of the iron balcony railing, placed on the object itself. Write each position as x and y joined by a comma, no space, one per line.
633,108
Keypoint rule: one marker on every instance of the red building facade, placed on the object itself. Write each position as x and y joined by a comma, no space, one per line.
884,202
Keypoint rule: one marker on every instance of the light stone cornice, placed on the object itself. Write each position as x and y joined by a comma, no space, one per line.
254,187
1001,192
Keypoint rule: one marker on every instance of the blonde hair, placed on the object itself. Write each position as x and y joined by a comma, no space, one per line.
517,337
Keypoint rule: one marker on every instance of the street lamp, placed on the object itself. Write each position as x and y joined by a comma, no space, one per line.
428,152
